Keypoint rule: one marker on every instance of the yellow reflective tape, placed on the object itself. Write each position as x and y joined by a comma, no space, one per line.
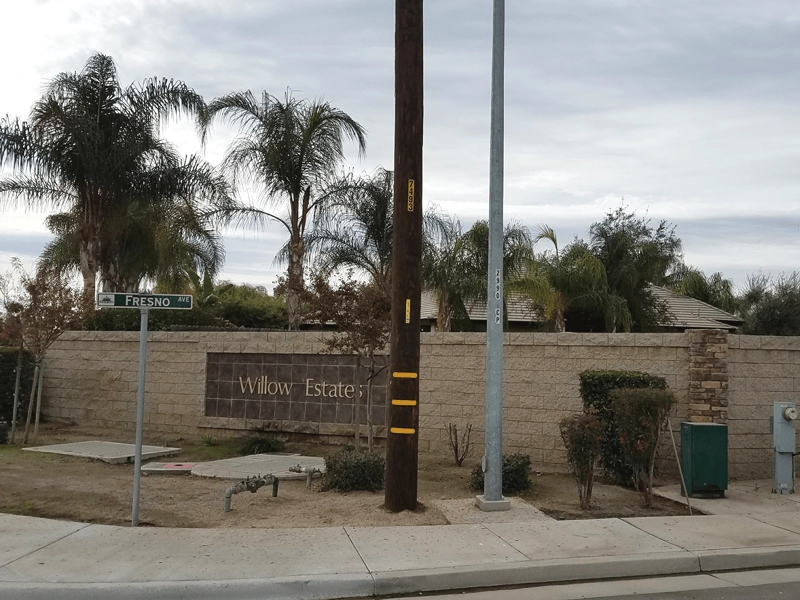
404,375
404,402
402,430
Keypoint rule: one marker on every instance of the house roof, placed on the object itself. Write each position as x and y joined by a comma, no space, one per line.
691,313
518,309
685,312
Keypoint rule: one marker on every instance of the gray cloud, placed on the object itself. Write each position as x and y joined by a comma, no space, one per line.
685,109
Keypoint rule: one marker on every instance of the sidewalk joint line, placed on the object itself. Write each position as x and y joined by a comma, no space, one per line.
363,562
85,525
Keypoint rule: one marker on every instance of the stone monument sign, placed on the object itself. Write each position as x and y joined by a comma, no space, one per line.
302,388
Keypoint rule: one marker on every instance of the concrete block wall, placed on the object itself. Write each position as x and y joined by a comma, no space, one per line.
90,378
762,370
541,384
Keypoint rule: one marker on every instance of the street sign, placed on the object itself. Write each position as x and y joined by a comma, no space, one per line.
157,301
144,302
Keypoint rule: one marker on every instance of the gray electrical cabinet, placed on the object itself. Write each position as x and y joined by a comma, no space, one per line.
704,459
782,426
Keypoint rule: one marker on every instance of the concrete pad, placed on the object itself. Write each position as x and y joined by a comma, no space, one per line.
23,535
110,452
463,510
579,539
258,464
742,498
715,532
430,547
106,554
492,505
159,468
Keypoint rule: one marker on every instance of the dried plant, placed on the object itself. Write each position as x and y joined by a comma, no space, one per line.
459,444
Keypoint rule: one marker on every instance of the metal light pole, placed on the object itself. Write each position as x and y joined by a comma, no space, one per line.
403,441
492,498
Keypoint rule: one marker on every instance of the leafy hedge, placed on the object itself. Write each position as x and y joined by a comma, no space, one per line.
8,375
516,474
237,306
349,470
158,320
596,391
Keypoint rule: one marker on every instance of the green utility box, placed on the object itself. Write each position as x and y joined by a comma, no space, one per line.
704,459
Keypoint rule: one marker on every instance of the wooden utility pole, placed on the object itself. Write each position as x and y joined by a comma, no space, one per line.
403,441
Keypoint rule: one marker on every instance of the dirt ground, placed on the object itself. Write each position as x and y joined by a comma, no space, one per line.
76,489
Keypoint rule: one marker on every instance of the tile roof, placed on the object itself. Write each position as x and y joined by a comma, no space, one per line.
691,313
685,312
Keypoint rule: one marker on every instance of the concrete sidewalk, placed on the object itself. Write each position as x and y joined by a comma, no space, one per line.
42,558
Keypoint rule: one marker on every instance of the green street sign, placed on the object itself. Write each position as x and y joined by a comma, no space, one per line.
157,301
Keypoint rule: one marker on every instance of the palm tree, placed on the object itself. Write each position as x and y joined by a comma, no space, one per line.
89,146
456,265
446,272
355,231
570,279
162,241
288,150
636,255
713,289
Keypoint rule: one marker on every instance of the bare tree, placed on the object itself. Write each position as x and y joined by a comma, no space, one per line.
361,313
48,307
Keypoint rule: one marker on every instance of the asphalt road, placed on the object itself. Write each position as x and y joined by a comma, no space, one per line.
773,584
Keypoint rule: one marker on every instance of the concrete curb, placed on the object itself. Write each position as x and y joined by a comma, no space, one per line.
532,572
320,587
460,577
748,558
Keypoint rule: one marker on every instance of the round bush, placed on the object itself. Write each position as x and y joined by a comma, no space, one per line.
349,470
516,474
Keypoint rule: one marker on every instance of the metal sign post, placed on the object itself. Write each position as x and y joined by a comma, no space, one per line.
137,461
144,302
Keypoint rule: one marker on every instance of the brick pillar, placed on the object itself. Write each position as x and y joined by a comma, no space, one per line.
708,376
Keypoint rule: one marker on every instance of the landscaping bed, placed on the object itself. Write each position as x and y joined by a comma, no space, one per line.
62,487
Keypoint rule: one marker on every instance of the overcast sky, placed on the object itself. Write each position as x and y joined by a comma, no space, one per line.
689,110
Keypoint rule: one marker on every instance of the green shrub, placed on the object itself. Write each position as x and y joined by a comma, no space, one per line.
262,444
349,470
640,415
596,388
159,320
3,434
516,474
583,439
8,376
251,306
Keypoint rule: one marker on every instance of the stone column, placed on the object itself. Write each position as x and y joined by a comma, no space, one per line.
708,376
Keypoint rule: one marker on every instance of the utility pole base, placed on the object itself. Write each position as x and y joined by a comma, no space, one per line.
492,505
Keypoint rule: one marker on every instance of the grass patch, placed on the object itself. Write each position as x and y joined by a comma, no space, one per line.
200,452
